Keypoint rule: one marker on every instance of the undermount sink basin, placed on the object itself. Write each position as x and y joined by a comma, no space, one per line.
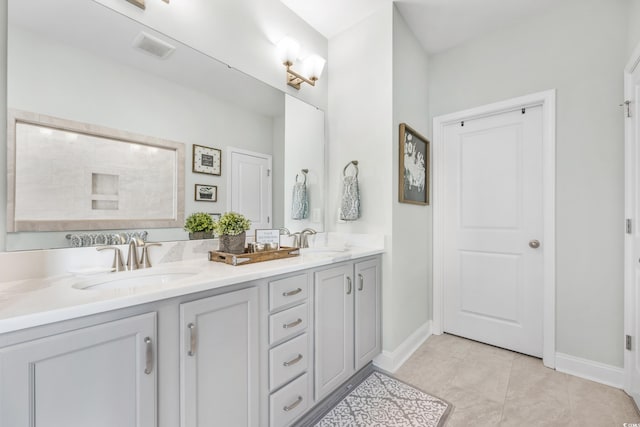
134,279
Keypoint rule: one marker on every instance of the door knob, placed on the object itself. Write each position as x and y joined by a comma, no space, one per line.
535,244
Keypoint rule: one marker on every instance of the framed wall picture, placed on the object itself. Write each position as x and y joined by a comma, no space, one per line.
206,193
207,160
413,172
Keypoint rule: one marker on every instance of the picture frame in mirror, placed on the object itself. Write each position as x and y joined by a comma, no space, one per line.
205,193
207,160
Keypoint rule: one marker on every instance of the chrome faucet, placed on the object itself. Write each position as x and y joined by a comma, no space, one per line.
296,239
304,237
132,256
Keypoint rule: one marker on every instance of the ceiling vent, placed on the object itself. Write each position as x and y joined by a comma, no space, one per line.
153,46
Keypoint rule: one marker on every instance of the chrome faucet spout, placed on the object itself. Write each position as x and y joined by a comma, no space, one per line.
132,257
304,237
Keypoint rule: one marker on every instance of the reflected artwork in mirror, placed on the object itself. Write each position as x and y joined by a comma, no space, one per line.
66,175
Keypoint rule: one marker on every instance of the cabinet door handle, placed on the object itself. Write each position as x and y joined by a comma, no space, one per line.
292,293
293,361
293,405
349,286
149,356
192,339
361,279
292,324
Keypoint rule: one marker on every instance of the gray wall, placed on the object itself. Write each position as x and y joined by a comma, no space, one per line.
634,25
361,128
580,49
411,230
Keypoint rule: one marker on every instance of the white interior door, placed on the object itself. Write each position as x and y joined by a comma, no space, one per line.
250,187
632,241
493,227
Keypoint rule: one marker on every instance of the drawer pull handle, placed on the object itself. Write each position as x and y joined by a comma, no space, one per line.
192,339
292,293
349,286
149,356
292,324
361,278
293,361
293,405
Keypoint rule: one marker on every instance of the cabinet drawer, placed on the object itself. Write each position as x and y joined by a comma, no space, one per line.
288,291
288,323
289,403
288,360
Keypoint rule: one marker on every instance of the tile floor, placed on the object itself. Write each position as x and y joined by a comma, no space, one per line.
489,386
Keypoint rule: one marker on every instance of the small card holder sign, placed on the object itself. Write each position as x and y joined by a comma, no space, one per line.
268,236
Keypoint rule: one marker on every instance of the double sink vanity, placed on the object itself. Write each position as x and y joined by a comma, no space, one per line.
189,343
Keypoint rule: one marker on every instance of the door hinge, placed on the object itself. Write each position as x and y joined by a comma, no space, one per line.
628,105
627,342
268,172
628,225
524,111
268,219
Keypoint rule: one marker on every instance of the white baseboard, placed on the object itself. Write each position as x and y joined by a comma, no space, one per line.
390,361
590,370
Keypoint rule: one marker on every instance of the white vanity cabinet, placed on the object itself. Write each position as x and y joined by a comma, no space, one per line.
219,380
347,322
98,376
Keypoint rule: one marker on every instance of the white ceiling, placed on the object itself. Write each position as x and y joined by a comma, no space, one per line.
438,24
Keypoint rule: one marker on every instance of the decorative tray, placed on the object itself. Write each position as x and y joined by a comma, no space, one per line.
250,258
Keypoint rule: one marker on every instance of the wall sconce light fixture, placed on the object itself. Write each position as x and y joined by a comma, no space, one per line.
140,3
312,66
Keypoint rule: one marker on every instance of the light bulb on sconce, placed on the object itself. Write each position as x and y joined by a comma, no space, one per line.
288,50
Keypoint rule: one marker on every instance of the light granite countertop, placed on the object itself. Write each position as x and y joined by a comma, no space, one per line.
34,302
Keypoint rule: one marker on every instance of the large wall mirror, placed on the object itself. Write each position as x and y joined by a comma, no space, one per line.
94,66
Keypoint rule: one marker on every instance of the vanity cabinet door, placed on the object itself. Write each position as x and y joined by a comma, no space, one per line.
368,341
334,291
100,376
219,361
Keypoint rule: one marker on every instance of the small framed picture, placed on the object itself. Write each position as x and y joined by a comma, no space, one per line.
206,193
413,171
207,160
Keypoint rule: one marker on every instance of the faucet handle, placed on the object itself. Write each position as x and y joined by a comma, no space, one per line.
117,265
145,262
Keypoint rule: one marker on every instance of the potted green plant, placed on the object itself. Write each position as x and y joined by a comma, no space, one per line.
199,225
231,230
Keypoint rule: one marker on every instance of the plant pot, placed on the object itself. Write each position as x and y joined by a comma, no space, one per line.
232,244
199,235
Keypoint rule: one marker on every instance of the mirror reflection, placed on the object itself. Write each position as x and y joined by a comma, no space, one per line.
95,66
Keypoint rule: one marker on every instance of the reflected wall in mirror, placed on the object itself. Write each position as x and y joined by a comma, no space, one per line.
82,66
65,175
304,150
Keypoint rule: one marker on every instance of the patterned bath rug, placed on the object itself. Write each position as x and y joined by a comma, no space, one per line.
382,401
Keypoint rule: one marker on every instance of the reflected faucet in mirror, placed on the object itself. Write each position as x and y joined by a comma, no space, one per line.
300,238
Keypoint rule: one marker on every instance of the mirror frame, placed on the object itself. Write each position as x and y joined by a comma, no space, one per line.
13,225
